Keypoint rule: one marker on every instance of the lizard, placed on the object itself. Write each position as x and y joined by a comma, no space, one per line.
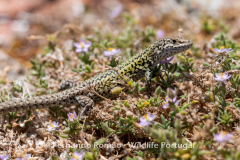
139,66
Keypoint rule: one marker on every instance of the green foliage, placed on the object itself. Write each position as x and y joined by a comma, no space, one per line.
56,112
225,118
208,25
186,64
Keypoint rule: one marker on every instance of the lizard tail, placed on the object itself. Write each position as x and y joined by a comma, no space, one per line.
38,102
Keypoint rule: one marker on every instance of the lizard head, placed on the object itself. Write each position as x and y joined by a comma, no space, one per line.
168,47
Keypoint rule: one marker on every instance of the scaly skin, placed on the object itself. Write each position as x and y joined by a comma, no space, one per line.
141,65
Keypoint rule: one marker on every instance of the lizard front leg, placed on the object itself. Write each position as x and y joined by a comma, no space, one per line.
85,102
148,77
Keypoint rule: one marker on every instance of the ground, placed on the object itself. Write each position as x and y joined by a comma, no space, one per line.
193,112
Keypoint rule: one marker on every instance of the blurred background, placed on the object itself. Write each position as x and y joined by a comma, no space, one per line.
26,26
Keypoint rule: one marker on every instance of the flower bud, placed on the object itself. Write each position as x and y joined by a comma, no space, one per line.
116,90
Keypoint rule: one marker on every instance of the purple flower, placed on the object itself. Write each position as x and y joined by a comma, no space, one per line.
77,155
167,60
222,137
25,158
160,34
111,52
4,157
28,156
222,76
82,46
222,49
52,126
168,99
146,119
72,116
116,11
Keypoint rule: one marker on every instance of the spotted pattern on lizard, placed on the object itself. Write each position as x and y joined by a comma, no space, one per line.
139,66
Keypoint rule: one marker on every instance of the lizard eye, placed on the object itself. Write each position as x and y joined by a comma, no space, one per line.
174,41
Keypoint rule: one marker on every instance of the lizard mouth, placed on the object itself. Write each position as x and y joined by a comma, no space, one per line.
180,44
184,47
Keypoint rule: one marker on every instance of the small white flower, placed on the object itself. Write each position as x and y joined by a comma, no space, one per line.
72,116
222,137
77,155
116,11
111,52
4,157
82,46
222,76
167,60
222,49
146,119
160,34
168,99
52,126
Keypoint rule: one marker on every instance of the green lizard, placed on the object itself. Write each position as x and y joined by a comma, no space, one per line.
139,66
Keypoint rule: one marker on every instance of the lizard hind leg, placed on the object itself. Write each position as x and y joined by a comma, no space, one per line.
85,102
68,83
